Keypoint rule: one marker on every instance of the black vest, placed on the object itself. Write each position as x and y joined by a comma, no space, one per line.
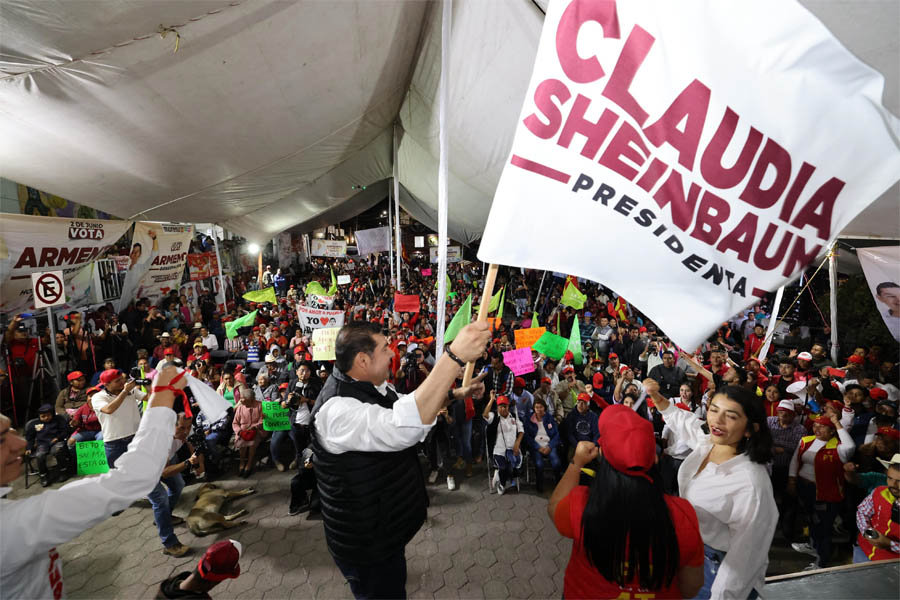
373,503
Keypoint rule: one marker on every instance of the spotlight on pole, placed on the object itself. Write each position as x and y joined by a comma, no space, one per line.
253,248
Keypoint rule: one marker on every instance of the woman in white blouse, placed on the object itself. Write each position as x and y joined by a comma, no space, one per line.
725,479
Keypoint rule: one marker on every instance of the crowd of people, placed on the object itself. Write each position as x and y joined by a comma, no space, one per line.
735,445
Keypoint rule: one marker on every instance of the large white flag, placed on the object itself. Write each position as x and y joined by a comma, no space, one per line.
882,268
690,155
369,241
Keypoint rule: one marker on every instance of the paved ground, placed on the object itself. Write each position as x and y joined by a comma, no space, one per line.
474,545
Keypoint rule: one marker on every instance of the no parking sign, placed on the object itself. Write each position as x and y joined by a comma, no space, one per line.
48,289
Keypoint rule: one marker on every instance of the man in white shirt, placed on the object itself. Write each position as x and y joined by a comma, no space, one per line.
371,485
117,410
208,339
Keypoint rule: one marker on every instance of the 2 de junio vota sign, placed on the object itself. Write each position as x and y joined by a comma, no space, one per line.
714,149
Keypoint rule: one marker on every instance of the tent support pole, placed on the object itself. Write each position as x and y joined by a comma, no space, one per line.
443,192
219,264
390,213
540,288
396,184
773,321
832,284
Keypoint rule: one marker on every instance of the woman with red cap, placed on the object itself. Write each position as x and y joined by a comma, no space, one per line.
629,537
725,479
816,476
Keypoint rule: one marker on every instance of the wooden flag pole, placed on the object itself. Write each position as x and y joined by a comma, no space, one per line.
486,294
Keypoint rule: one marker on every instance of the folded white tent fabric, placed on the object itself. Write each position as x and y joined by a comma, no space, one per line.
272,113
212,405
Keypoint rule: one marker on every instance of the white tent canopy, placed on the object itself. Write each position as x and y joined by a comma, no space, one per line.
272,114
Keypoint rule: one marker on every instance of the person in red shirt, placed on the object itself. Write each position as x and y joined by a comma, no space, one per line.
754,342
22,351
630,539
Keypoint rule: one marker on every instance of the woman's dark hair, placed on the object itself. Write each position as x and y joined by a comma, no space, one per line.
627,531
353,338
758,447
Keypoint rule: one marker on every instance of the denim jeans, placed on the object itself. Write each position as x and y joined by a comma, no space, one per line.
507,465
115,449
553,458
163,499
386,579
821,519
214,441
279,440
462,433
88,436
712,559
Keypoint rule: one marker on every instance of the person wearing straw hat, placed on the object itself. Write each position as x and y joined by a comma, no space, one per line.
878,518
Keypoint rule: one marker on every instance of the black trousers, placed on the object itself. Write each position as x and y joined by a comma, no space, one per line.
386,579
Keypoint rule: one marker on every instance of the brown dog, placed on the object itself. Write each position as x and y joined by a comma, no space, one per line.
205,517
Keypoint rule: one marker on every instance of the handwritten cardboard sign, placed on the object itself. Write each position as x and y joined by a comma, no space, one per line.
525,338
552,345
323,343
519,361
91,458
343,279
276,418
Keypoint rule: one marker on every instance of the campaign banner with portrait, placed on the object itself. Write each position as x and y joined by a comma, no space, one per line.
30,244
652,125
202,265
331,248
316,318
882,268
158,255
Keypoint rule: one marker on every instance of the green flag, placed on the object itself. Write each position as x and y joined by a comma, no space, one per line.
534,321
502,302
315,288
333,287
495,302
462,318
231,327
575,342
572,297
449,284
264,295
558,330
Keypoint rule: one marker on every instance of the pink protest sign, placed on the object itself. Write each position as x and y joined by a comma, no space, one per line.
426,272
519,361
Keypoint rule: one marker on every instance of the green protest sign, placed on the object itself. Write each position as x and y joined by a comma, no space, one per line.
276,418
91,458
551,345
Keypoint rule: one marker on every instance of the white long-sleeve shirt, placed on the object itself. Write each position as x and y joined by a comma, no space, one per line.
807,470
734,504
345,424
32,527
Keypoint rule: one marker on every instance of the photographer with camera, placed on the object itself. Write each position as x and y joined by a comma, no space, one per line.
118,408
21,353
413,370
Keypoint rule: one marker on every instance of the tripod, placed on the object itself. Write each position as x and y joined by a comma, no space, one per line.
39,372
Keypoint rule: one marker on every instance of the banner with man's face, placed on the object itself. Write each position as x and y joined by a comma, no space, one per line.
882,268
712,149
156,261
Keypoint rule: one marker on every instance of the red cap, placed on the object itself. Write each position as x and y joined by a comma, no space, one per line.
546,380
584,397
74,375
613,355
623,368
220,561
256,328
283,386
569,355
626,440
642,330
838,406
889,432
169,351
299,348
93,390
502,400
518,382
568,369
597,380
856,360
496,341
877,393
110,375
823,420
